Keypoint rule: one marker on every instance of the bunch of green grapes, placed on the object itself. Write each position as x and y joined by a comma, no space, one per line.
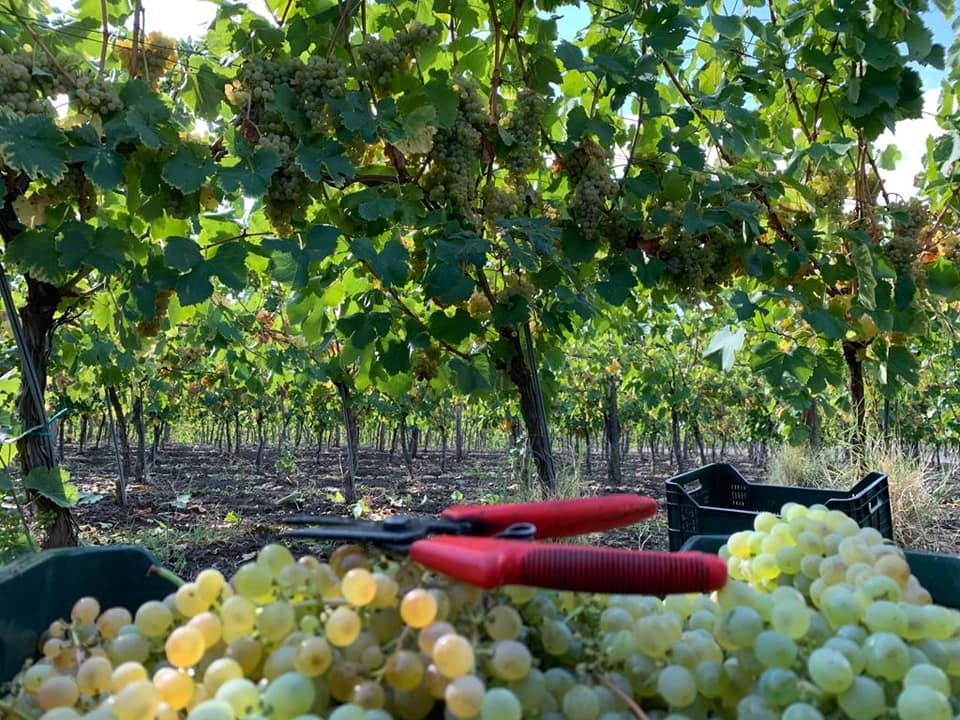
258,77
156,55
425,363
380,59
454,162
695,262
909,229
289,189
471,103
149,327
524,154
830,189
25,83
323,79
500,202
592,186
95,95
946,242
820,619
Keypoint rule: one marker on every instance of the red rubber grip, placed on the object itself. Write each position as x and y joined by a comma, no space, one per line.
491,562
558,518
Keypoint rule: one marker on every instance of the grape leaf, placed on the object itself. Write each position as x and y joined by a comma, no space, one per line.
186,172
33,144
53,484
182,253
103,249
37,253
101,163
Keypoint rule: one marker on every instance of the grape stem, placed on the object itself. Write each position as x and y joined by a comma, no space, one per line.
166,575
628,701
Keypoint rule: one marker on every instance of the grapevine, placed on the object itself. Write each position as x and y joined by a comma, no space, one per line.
95,95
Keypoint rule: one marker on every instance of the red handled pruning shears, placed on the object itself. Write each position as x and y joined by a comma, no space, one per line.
490,545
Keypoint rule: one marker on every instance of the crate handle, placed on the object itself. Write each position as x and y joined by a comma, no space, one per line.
871,508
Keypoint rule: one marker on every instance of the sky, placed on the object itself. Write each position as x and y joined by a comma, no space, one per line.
186,18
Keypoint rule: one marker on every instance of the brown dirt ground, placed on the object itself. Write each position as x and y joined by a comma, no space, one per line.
203,508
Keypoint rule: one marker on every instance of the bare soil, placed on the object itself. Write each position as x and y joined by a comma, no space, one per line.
201,507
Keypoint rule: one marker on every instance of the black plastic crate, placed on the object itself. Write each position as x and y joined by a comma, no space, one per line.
717,500
38,588
937,572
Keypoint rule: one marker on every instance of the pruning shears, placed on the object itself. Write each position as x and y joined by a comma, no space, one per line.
493,545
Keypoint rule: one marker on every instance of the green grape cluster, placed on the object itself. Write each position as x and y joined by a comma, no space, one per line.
909,229
524,154
156,55
820,619
323,79
425,364
26,81
451,179
830,189
289,187
73,188
94,94
471,103
380,60
149,327
592,186
695,262
500,202
258,77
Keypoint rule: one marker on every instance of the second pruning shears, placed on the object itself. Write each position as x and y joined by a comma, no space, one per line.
492,545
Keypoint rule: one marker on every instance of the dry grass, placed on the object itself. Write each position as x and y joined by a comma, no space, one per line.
917,493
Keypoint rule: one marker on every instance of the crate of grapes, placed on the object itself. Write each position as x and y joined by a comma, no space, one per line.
38,588
717,500
939,573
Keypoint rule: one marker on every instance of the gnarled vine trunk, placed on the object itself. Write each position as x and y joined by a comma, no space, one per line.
36,450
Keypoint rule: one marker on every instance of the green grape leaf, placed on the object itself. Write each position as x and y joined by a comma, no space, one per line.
33,144
390,264
101,163
448,283
863,261
53,484
724,346
37,253
187,172
455,328
943,278
252,174
328,160
205,90
396,358
365,327
194,287
889,157
470,381
144,118
825,324
289,106
104,248
182,253
229,264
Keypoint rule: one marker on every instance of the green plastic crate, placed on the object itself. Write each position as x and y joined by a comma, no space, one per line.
937,572
41,587
717,500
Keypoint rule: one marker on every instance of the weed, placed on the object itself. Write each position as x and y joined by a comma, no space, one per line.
917,495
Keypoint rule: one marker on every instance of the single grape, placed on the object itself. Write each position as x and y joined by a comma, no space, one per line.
453,655
418,608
